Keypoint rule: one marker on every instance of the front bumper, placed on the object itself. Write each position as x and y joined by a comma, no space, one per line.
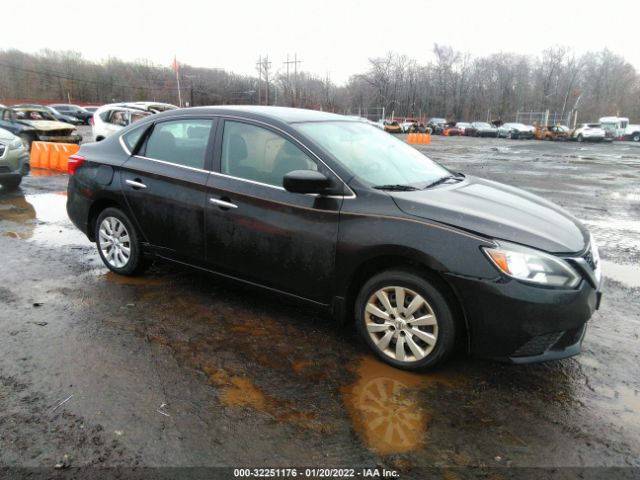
515,322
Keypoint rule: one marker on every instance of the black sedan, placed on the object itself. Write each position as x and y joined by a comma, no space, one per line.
74,111
334,212
515,131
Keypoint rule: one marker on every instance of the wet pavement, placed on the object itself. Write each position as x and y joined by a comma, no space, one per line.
178,369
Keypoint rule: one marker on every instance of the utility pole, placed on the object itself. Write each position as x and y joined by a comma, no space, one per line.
263,65
295,62
259,67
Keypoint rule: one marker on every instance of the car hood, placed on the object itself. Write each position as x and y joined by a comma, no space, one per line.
6,135
46,125
498,211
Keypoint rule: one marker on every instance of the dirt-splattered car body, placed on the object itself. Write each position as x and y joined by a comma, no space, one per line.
324,232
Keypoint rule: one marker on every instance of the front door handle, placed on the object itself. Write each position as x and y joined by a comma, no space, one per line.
135,183
222,203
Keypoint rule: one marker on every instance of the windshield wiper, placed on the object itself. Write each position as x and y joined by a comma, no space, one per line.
396,188
442,180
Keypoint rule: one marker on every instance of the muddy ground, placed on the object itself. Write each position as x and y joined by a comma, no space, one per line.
177,369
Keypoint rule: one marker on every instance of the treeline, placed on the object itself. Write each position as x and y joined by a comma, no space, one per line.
453,85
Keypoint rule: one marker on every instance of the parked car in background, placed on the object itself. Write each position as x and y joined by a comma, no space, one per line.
616,126
56,114
515,131
484,129
153,107
410,125
34,124
111,118
632,132
551,132
592,132
451,130
74,110
436,125
419,257
392,126
91,109
9,122
14,160
463,126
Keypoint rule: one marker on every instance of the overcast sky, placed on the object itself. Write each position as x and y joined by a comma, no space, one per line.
334,36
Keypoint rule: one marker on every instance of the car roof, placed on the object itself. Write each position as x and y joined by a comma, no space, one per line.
283,114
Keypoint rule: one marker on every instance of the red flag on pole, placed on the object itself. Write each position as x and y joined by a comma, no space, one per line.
176,67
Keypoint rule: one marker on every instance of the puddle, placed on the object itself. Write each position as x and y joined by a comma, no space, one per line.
123,280
43,219
627,274
385,408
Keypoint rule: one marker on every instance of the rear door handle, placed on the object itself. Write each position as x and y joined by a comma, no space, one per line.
135,184
222,203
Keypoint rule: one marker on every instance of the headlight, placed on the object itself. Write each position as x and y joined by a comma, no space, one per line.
16,144
595,256
533,266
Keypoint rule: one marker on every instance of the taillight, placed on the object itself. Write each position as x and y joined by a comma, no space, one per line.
91,120
74,162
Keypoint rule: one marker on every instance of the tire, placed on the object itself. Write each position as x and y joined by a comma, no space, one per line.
127,258
436,338
11,184
635,137
580,138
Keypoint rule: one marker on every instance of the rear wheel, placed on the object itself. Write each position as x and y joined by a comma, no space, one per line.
580,138
636,137
405,319
118,243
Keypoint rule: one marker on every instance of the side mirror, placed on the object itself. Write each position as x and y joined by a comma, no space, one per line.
306,181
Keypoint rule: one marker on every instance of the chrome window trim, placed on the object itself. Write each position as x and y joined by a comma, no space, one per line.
124,145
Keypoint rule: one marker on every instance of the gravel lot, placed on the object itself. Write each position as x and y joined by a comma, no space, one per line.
177,369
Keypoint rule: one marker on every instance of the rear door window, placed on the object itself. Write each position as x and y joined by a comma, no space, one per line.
181,142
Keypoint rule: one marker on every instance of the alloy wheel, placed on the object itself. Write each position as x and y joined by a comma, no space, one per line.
114,242
401,323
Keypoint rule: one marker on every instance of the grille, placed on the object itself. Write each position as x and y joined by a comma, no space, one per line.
550,341
570,337
56,133
4,169
538,344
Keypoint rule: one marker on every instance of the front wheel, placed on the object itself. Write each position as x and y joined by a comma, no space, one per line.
636,137
11,184
405,319
118,243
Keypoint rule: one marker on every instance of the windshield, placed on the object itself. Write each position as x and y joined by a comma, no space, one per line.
373,155
482,125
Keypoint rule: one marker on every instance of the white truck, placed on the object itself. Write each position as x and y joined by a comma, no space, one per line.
621,128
